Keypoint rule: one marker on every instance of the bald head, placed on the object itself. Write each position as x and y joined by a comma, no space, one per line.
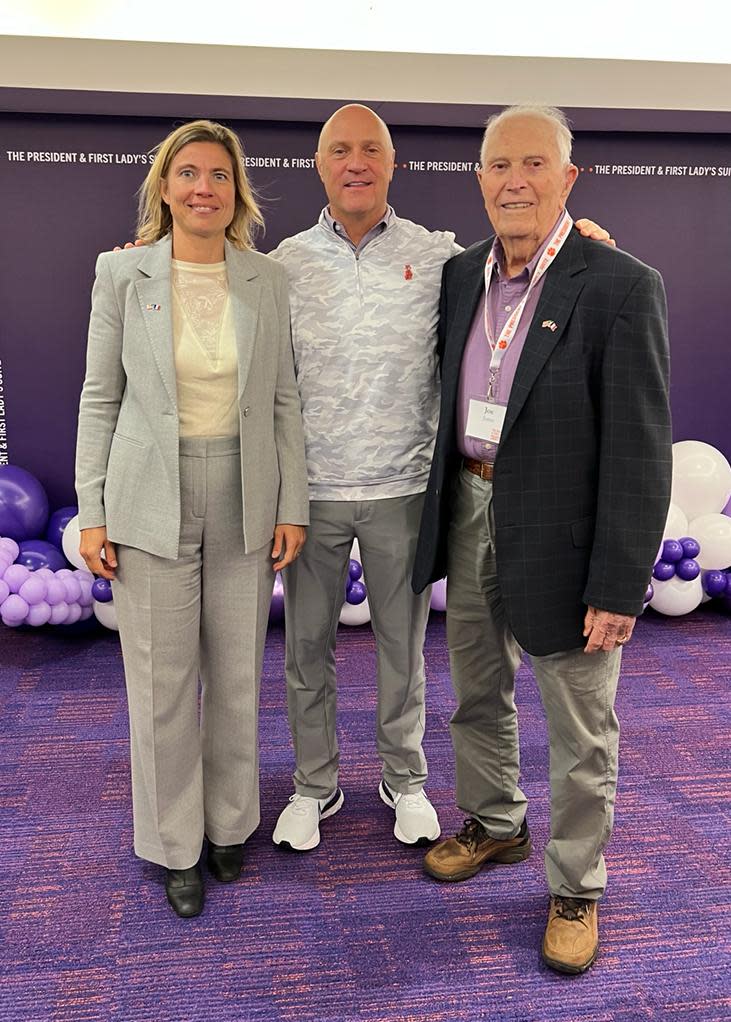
354,116
355,161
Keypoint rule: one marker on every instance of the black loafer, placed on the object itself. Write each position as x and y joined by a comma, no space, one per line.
184,890
225,861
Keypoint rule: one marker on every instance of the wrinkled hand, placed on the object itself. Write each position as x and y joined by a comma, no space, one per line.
141,244
98,552
288,541
588,229
604,630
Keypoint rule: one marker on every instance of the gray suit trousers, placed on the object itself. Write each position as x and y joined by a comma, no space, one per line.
577,690
314,588
202,616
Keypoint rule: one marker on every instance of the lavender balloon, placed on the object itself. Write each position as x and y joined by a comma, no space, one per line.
14,610
39,614
9,545
15,576
34,590
663,570
687,569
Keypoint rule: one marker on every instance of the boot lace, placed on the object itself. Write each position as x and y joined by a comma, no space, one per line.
573,910
471,834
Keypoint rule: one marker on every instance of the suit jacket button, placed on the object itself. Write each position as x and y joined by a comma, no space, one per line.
246,410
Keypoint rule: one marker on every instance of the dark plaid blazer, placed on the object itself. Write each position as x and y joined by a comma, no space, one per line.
582,475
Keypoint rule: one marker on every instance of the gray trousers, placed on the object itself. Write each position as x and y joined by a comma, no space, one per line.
314,587
577,690
202,616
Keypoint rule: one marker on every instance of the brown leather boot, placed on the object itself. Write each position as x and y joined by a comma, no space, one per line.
571,940
462,856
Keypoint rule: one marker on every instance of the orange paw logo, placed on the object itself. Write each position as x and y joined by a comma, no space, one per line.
408,272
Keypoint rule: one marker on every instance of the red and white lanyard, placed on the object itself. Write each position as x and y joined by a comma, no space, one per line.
510,329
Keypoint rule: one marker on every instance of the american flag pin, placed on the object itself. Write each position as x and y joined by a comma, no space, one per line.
550,324
154,307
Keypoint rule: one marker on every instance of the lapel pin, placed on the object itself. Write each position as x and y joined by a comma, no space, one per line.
154,307
550,324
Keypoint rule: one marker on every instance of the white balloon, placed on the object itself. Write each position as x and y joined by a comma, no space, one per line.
106,615
676,597
713,532
355,614
701,478
70,539
676,525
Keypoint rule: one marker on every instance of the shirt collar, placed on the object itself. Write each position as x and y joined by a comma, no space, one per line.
527,273
327,218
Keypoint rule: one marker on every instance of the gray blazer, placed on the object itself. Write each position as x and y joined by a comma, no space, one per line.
127,476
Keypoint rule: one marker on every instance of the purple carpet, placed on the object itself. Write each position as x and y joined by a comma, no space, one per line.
354,930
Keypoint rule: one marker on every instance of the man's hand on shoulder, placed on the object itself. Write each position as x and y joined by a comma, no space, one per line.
604,630
588,229
138,243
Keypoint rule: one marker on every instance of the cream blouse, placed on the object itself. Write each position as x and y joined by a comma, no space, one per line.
204,347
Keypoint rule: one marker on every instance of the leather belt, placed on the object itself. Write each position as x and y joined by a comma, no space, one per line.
479,468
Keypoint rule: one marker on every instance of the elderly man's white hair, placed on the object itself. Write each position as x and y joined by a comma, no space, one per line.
556,117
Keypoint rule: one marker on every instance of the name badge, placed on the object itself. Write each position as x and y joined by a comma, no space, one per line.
485,420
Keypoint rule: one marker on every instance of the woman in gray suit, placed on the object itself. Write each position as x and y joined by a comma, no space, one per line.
191,485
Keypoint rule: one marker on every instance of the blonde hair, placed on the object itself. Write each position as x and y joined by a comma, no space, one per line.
154,219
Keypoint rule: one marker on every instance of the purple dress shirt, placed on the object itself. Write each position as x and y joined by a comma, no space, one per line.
503,295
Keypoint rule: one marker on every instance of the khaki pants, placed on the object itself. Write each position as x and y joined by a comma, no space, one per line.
577,690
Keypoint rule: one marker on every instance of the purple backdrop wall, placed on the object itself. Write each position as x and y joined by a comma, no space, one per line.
59,213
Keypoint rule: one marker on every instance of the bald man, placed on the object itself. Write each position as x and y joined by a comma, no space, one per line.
364,294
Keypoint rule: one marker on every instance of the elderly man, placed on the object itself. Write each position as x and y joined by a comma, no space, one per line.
545,505
364,294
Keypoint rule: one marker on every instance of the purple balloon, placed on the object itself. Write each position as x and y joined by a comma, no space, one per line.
649,592
34,590
714,583
56,592
687,569
691,547
4,590
86,612
728,584
15,576
57,523
439,595
357,592
101,590
37,553
86,599
663,570
14,610
39,614
354,569
672,551
23,504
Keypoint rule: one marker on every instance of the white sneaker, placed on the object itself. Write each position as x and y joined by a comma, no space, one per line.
298,826
416,818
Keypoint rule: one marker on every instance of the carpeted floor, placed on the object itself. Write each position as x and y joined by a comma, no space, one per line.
354,930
